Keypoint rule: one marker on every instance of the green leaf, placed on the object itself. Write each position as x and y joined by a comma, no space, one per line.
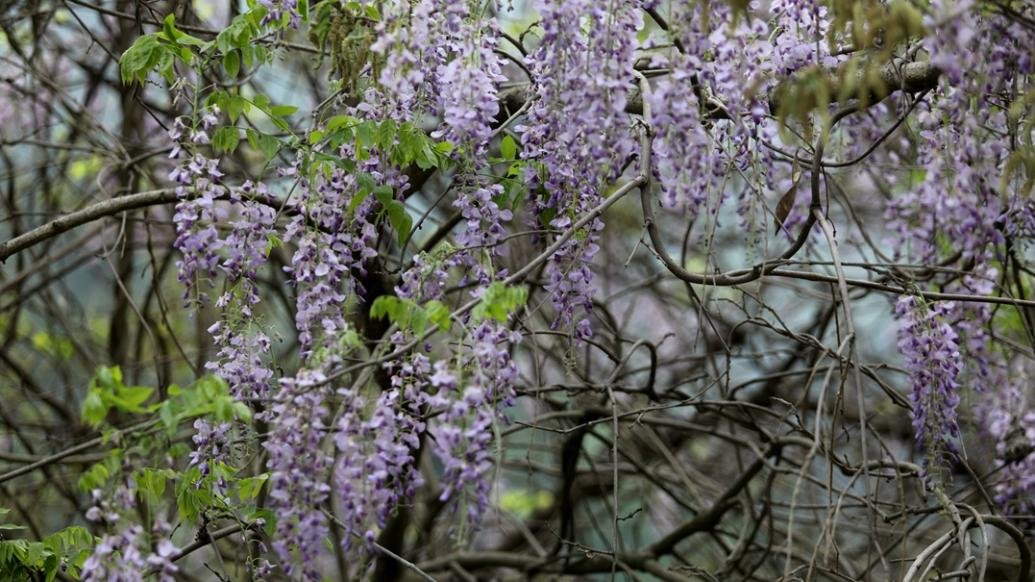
94,409
365,133
96,476
151,484
249,488
283,110
235,106
272,242
193,494
176,35
499,301
130,398
108,377
386,306
386,134
226,139
139,58
169,27
339,121
398,217
168,417
508,148
267,144
438,313
409,315
232,63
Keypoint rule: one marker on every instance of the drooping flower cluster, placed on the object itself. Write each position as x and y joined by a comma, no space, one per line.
378,439
117,557
1015,451
298,467
123,556
688,163
438,59
240,255
954,160
964,141
482,230
332,245
376,470
930,347
198,186
578,130
467,84
206,205
276,9
242,344
474,399
710,113
801,27
211,445
959,214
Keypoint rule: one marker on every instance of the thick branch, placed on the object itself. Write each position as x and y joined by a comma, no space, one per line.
84,216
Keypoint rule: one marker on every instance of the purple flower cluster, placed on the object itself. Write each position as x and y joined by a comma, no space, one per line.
412,40
467,83
242,345
961,150
956,159
276,9
118,556
474,398
378,448
198,186
482,230
298,469
331,245
424,280
211,445
578,130
688,163
728,63
1015,451
241,360
930,347
1005,417
802,28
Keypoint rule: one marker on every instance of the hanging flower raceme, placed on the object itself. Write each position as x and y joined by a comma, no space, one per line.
688,163
243,346
277,9
1004,415
577,129
955,160
964,136
414,41
198,186
124,555
468,84
930,348
1015,452
298,468
333,244
378,447
211,445
474,398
